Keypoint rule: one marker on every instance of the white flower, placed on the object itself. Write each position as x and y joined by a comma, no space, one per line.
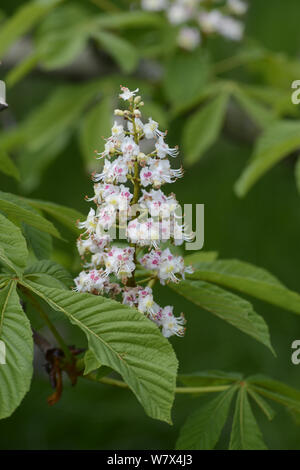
165,265
163,149
119,261
179,13
154,5
142,299
120,199
91,281
118,130
159,172
90,223
209,17
144,233
151,129
111,146
157,203
180,233
215,21
189,38
106,217
93,244
127,94
210,20
237,7
231,28
145,300
172,325
113,172
129,148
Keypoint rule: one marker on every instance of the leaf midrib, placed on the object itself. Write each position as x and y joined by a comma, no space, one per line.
137,377
37,292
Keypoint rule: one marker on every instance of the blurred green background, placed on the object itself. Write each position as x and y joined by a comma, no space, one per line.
263,229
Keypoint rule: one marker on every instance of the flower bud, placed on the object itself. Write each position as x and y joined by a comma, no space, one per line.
142,157
137,113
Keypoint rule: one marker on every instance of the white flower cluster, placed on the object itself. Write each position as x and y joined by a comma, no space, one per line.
201,17
151,218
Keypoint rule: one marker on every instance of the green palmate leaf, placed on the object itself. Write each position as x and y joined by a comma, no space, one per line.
276,391
123,339
7,166
23,20
264,406
250,280
276,142
200,256
245,433
96,125
297,174
210,377
13,249
62,214
22,69
33,163
276,98
277,69
46,269
129,19
54,117
203,428
259,114
229,307
203,128
16,209
186,77
124,53
63,36
40,242
15,334
210,91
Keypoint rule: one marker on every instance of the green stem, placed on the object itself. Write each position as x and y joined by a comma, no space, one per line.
152,282
136,188
50,325
228,64
145,280
215,388
105,5
119,383
106,380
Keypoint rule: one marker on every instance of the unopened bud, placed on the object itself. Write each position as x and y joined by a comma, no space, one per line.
142,158
137,99
119,112
137,113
